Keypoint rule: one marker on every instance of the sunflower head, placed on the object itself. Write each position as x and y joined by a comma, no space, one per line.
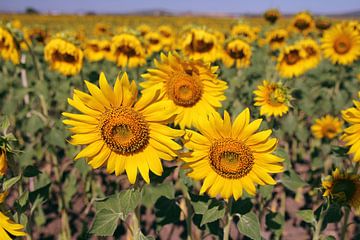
143,29
154,42
127,50
273,98
290,61
341,44
63,56
9,50
244,31
276,38
327,127
342,188
236,52
230,156
272,15
191,85
303,23
313,53
120,132
322,24
102,29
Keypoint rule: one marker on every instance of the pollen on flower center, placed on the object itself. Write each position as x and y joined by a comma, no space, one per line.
185,89
277,96
342,45
231,158
124,130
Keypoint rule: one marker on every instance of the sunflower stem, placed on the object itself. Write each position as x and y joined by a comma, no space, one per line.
345,225
228,220
320,223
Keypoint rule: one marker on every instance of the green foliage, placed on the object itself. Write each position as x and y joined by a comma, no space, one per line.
249,225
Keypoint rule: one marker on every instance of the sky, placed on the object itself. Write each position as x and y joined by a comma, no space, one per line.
196,6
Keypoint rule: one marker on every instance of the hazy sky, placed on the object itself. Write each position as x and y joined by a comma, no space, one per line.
219,6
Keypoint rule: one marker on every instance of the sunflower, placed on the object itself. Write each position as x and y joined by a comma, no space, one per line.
273,98
351,135
191,86
8,47
313,53
276,38
63,57
244,31
272,15
38,35
302,23
127,50
236,52
230,157
102,29
154,42
200,44
168,35
8,227
97,50
322,24
290,62
327,127
343,188
143,29
341,44
120,132
3,162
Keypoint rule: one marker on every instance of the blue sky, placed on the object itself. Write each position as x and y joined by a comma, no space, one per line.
200,6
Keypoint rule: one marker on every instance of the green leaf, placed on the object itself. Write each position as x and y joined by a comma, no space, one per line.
306,215
167,211
292,181
151,193
56,138
275,222
142,237
31,171
105,223
40,194
249,225
241,206
266,191
10,182
213,213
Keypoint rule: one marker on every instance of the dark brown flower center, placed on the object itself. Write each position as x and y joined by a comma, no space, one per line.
342,45
292,57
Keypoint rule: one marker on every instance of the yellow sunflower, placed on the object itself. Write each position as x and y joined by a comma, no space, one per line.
102,29
302,23
341,44
327,127
143,29
290,62
236,52
244,31
343,188
313,53
273,98
154,42
97,50
276,38
351,135
231,157
200,44
8,227
128,50
120,132
63,57
8,47
191,86
272,15
322,24
168,37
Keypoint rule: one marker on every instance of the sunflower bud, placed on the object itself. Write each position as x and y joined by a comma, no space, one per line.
3,162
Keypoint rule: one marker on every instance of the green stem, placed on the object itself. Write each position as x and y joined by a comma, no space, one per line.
319,224
228,220
345,225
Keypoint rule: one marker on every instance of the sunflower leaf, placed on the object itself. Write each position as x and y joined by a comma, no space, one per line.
249,225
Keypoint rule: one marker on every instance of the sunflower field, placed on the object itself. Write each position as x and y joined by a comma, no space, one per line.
140,127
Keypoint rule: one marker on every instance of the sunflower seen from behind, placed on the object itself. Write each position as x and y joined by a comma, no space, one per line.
231,157
121,132
327,127
236,53
191,86
351,135
63,56
341,44
273,98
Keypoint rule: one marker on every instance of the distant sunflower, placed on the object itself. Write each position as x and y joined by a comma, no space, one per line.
231,157
168,37
200,44
313,53
143,29
351,135
101,29
128,50
327,127
343,188
97,50
8,47
276,38
236,53
154,42
341,44
244,31
191,86
64,57
291,61
120,132
303,23
273,98
272,15
322,24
